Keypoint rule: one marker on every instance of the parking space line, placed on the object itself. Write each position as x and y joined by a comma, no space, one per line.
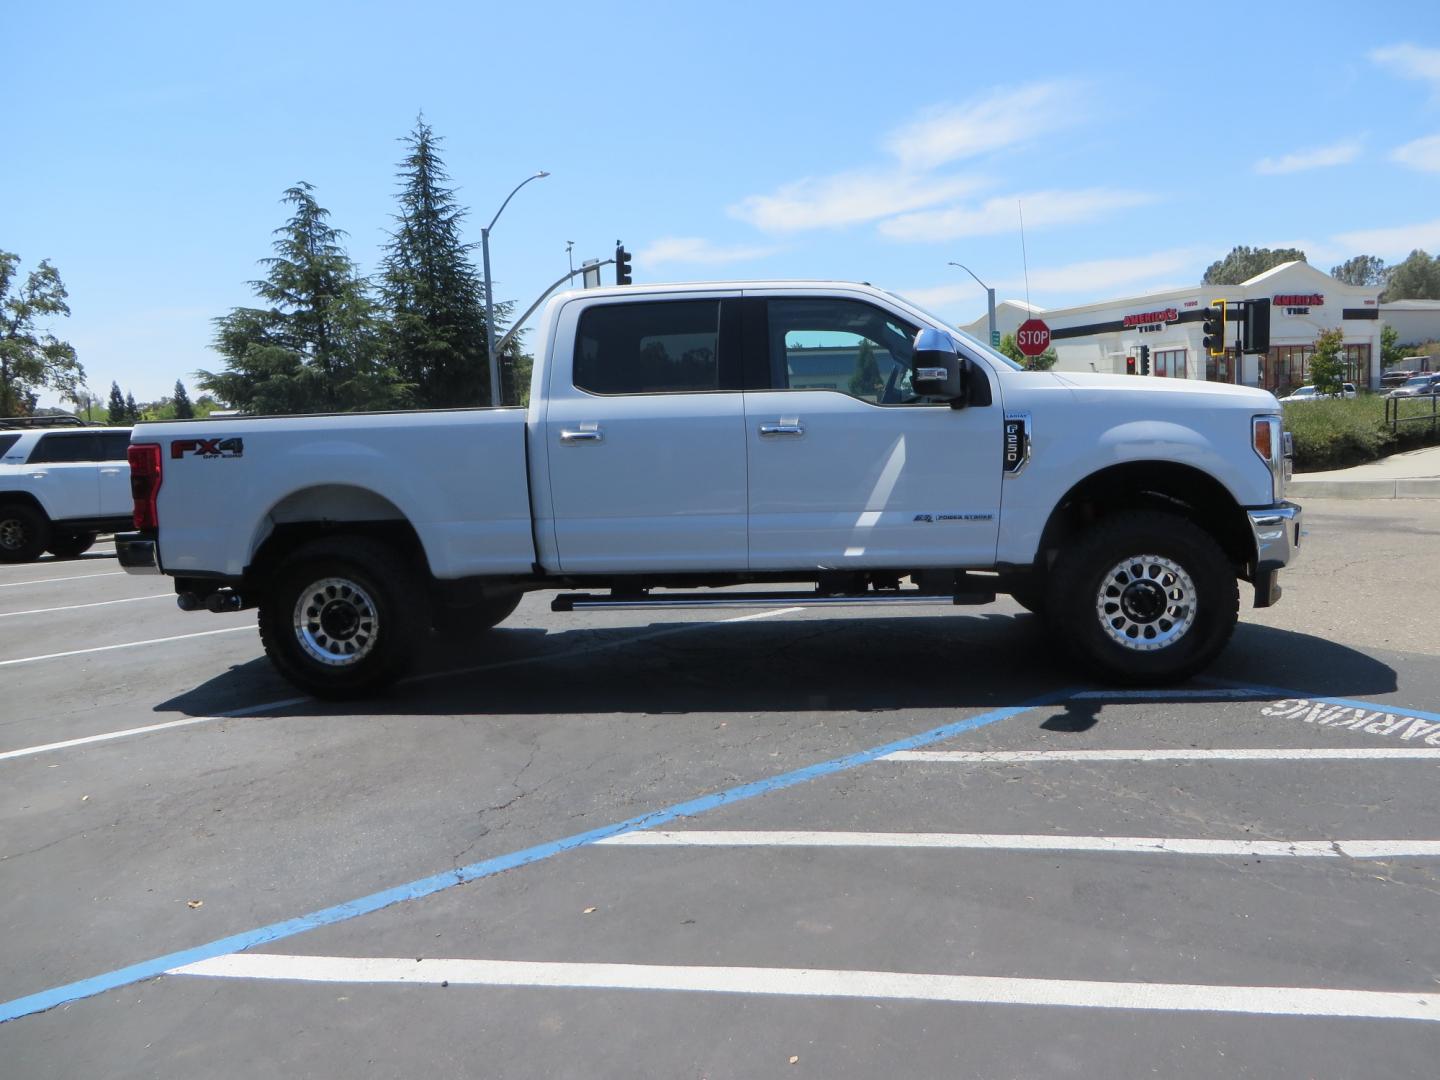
1129,845
77,607
448,879
71,577
1185,694
811,982
1028,757
125,645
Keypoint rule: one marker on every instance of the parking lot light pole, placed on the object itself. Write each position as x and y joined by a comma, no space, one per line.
490,356
990,296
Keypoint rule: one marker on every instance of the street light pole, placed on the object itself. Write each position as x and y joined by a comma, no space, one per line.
990,296
490,356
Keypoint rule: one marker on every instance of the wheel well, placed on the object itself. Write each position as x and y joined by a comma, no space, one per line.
290,535
1153,485
23,498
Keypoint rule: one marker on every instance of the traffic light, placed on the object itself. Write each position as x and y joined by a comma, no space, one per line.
1213,327
1256,326
1144,359
1129,365
622,265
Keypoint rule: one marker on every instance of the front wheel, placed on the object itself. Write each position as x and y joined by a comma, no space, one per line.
343,617
24,532
1145,598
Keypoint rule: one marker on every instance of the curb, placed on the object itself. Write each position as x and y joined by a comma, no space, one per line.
1365,489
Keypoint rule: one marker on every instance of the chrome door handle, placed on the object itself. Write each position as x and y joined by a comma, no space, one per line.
582,436
782,429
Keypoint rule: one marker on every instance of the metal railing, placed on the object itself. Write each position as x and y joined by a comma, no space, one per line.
1394,419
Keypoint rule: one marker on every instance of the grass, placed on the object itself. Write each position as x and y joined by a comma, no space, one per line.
1335,433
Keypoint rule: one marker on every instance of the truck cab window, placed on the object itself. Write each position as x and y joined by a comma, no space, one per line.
843,345
667,347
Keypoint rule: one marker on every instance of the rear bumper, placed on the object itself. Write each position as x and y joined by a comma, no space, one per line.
1277,531
137,553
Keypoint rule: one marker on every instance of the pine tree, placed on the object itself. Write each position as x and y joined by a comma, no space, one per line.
31,358
132,411
317,348
117,405
184,410
437,316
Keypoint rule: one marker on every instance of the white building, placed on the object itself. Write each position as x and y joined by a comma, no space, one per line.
1304,301
1415,321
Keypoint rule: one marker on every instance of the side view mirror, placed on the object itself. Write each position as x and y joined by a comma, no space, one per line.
937,370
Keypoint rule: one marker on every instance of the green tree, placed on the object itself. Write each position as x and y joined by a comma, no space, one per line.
117,405
184,410
132,411
1417,278
1390,351
1243,263
31,358
436,334
865,382
317,347
1044,362
1361,270
1327,363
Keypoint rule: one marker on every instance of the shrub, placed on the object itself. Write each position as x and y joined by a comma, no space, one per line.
1336,432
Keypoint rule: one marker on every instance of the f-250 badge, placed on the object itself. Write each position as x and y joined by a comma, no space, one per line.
208,448
1017,441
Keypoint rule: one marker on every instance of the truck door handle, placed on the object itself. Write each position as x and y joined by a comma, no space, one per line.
770,430
582,436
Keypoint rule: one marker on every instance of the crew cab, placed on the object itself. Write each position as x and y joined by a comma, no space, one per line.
60,487
819,443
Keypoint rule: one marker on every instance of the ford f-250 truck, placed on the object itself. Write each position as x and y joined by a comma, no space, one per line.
684,437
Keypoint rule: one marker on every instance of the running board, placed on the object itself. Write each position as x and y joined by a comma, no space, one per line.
577,601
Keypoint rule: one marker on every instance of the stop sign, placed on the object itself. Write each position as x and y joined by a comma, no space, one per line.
1033,337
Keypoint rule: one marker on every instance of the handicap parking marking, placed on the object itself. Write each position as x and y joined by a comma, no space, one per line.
1359,717
1044,757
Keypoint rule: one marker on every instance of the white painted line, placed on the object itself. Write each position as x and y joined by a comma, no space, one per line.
125,645
1132,845
810,982
48,580
1029,757
77,607
234,714
1217,693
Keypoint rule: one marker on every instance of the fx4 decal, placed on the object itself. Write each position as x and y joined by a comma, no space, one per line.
208,448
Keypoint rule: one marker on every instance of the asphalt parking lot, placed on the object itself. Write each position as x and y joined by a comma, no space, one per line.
784,843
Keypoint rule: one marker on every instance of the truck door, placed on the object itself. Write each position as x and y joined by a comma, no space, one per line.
847,469
645,438
65,475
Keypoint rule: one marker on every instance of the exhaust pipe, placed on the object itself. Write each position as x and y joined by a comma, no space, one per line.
219,601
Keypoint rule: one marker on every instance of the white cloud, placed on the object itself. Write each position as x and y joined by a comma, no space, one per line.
946,133
1422,154
848,199
1393,243
695,251
1411,61
1098,275
1001,214
1341,153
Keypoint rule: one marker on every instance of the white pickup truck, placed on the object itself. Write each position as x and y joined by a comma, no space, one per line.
684,437
59,487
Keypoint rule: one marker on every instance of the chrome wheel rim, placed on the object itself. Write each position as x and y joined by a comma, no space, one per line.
1146,602
336,622
12,534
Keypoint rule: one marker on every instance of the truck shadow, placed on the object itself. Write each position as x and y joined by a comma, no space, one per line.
811,665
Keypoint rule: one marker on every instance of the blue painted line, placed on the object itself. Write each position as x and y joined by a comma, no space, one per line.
1351,703
414,890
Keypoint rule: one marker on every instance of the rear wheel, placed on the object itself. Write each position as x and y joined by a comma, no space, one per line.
343,617
24,533
1144,598
70,545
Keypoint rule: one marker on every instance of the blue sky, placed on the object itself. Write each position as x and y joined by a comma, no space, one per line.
148,144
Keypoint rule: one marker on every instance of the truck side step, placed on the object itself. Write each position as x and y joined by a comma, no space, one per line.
578,601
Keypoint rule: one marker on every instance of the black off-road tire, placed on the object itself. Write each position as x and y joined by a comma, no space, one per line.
1155,580
343,616
1032,599
71,544
476,618
24,533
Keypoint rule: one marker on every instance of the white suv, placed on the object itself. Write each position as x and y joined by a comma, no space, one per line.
59,487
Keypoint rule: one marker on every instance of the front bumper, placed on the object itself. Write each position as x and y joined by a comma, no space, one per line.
137,553
1277,531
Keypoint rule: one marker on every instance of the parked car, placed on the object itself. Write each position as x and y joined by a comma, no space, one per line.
1309,393
1417,386
60,487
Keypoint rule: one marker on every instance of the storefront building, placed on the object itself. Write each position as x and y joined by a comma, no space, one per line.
1107,337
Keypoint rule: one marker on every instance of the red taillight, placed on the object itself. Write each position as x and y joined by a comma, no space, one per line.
145,477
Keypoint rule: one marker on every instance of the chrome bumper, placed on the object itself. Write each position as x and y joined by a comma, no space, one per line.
136,553
1277,532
